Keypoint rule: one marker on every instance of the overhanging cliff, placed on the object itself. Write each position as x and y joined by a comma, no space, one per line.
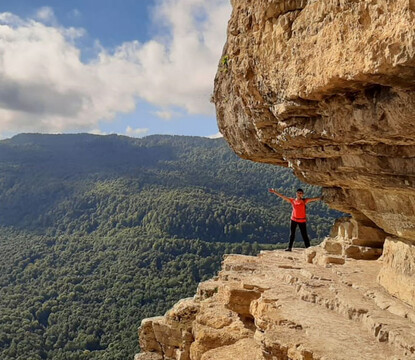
328,89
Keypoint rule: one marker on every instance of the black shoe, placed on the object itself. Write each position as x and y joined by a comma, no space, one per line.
288,249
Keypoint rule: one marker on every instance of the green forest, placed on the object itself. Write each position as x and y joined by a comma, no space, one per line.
99,232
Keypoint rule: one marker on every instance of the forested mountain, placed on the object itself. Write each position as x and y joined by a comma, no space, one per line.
98,232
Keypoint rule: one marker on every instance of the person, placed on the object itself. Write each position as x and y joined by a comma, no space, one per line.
298,216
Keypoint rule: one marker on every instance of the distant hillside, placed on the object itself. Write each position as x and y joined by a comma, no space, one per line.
98,232
190,187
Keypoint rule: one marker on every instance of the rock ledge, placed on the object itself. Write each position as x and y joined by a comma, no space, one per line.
279,305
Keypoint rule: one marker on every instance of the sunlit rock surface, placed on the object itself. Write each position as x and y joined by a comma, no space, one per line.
327,88
280,306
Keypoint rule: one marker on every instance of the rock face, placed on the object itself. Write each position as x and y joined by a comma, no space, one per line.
281,306
351,239
327,87
398,271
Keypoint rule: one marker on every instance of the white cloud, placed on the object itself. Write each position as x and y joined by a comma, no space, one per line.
46,87
9,18
74,13
166,114
179,69
129,131
216,136
46,14
97,132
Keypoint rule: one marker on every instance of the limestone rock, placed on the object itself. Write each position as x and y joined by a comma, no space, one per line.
327,88
148,356
147,335
349,238
348,230
398,273
216,326
245,349
237,299
207,289
169,335
300,310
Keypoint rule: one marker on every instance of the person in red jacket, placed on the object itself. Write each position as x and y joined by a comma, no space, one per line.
298,216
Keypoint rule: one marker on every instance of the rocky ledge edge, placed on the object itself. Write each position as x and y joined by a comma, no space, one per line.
305,305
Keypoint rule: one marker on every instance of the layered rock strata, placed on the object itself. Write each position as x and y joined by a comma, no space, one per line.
281,306
350,238
328,89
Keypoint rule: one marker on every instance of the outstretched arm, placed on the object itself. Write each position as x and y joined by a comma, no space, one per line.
312,199
280,195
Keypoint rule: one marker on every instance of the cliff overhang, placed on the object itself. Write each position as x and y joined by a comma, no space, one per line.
327,88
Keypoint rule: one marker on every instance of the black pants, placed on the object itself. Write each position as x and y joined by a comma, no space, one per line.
303,230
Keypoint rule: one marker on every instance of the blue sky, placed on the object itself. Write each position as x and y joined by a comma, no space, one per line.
134,67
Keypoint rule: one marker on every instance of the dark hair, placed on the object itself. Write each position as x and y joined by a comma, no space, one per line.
300,190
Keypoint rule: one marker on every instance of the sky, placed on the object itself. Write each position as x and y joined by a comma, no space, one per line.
131,67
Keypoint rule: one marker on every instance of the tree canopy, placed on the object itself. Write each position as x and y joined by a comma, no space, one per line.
98,232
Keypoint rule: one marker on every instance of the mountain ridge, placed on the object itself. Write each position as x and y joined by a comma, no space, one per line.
94,238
